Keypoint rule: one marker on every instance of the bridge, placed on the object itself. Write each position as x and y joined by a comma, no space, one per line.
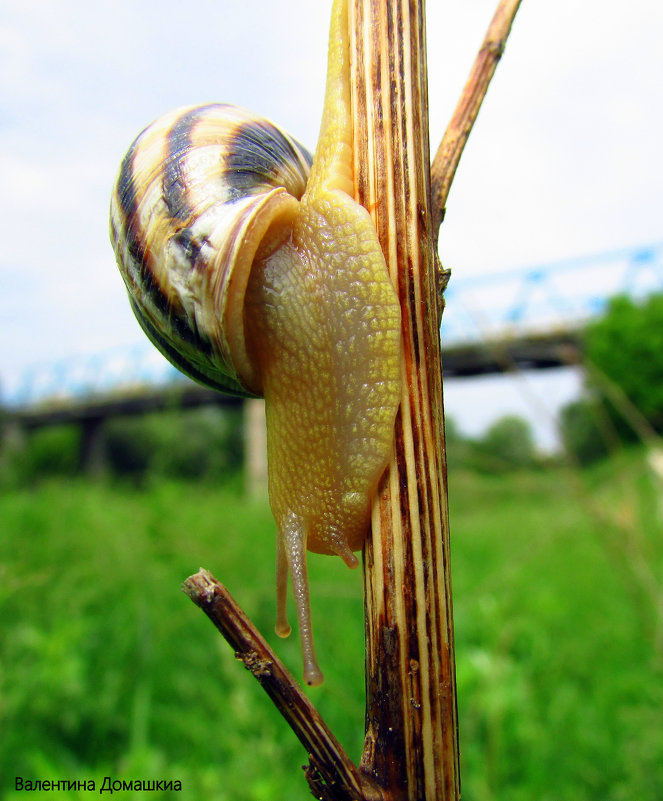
525,317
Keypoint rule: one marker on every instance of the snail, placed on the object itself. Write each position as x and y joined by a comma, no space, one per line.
251,267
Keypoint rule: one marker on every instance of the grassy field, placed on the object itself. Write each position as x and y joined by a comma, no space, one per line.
106,668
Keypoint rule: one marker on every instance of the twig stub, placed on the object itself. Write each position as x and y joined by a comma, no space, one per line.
336,776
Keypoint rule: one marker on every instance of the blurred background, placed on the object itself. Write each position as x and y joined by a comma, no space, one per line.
117,480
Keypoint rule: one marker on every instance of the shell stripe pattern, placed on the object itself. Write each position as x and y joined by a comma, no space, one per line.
175,178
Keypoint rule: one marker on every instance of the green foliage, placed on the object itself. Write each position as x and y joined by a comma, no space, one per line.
113,671
452,434
128,445
507,444
108,669
207,443
556,660
45,453
197,444
461,450
582,428
626,345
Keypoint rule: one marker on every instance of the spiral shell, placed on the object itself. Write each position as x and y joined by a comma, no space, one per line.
199,192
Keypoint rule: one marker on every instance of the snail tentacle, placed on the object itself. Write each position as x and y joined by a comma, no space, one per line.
293,534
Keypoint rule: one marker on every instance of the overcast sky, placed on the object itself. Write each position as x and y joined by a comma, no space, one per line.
564,159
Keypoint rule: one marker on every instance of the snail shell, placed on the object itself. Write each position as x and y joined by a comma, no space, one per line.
255,277
196,195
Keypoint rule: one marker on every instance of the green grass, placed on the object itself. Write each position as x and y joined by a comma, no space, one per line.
106,668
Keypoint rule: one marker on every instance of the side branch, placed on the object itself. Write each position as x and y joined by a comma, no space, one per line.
451,148
331,773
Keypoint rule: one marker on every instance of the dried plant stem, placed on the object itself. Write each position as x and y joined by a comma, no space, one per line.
451,148
331,773
411,744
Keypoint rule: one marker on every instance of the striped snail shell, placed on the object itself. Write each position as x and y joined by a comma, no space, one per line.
257,278
197,192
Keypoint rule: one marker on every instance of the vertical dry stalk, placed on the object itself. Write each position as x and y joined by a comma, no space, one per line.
411,739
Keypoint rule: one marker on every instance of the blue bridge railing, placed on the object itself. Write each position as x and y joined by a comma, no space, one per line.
556,297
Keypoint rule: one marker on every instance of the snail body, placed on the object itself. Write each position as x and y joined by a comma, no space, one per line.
256,277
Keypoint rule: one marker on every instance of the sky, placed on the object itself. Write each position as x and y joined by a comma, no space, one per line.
564,159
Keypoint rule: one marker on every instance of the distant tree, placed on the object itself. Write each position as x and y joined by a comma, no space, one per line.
582,432
460,448
199,443
128,446
509,442
47,452
188,444
626,345
452,434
